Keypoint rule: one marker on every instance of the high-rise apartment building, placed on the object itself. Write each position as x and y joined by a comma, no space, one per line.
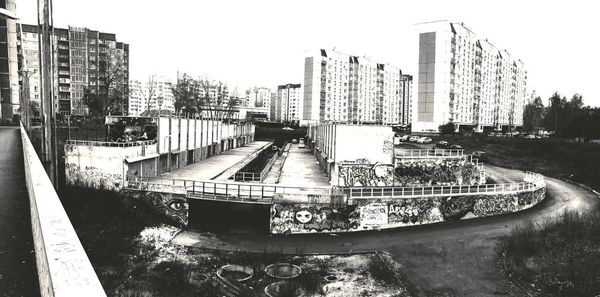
9,78
155,94
351,89
288,103
258,97
466,80
80,59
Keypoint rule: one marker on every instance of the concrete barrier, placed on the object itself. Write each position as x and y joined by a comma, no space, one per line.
63,266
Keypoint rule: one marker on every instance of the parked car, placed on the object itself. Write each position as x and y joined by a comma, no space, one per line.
404,137
424,140
455,147
286,128
442,144
294,141
301,143
413,138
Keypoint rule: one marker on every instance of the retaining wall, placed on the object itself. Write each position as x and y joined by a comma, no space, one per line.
63,266
375,214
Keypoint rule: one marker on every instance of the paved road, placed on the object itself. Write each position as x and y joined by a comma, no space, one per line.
446,259
18,275
215,166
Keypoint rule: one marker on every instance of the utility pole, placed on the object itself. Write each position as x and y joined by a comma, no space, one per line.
46,52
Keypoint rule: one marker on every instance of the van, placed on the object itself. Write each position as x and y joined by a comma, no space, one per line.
301,143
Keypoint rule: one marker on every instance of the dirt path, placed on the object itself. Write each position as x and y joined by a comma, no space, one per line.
446,259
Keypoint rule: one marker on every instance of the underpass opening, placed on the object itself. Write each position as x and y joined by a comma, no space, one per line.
209,215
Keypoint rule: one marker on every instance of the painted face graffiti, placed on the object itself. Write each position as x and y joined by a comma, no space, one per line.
303,216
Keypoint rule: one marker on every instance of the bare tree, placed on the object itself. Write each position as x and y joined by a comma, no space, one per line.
215,99
151,91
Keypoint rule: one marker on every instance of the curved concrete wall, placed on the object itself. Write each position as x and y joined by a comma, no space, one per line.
375,214
63,266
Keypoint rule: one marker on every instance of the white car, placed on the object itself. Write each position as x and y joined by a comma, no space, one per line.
404,137
287,129
413,138
424,140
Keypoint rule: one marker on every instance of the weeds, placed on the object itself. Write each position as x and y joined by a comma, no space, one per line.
561,258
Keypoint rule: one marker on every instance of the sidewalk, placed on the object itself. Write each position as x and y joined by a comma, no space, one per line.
301,169
18,273
216,165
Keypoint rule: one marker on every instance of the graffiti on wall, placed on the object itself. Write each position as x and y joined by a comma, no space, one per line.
363,175
302,218
437,172
91,177
381,214
388,146
174,208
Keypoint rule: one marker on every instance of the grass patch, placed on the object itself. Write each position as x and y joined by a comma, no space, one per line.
562,258
551,157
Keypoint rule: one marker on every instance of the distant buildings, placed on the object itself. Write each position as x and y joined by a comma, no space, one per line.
9,78
350,89
80,54
154,94
466,80
288,103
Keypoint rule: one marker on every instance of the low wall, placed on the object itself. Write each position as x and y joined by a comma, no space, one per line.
375,214
63,266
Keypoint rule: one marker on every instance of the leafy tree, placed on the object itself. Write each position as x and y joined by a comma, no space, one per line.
187,94
533,115
448,128
209,97
111,92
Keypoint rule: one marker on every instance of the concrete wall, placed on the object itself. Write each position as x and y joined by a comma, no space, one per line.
393,213
103,165
100,167
63,266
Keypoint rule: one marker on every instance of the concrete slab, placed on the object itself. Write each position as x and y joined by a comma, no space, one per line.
213,167
301,169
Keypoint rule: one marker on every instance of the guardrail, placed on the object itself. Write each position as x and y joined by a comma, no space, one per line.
235,191
532,181
62,264
111,143
412,153
244,176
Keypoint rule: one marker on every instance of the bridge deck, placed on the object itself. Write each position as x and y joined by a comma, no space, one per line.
214,166
18,274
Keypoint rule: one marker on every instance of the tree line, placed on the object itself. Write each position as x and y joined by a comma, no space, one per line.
565,117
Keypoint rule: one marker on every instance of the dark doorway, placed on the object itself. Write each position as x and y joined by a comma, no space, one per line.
213,215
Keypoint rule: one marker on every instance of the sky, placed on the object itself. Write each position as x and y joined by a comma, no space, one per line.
263,43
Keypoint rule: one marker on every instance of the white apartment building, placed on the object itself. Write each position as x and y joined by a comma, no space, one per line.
288,103
351,89
466,80
258,97
153,94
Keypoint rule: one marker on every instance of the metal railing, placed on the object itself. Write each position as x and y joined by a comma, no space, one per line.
532,182
410,153
233,191
111,143
245,176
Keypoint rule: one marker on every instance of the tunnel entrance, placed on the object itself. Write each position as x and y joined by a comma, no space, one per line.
211,215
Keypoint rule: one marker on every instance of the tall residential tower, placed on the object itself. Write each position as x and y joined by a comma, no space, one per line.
351,89
466,80
79,56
